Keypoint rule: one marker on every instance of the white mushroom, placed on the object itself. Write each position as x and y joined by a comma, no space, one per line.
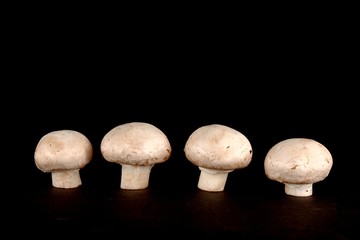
298,163
137,147
217,150
63,153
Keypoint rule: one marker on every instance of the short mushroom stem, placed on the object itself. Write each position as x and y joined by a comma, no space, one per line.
135,176
66,178
299,190
212,180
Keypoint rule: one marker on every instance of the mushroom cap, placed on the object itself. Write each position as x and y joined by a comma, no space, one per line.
135,143
298,161
63,150
218,147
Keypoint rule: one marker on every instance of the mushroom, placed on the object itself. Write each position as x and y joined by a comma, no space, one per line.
63,153
137,147
217,150
298,163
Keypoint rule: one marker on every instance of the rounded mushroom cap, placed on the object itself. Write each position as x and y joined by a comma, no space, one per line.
218,147
63,150
298,161
135,143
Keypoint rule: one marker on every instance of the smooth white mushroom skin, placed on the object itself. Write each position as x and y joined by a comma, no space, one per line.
217,150
299,190
212,180
137,147
63,153
66,178
298,163
135,176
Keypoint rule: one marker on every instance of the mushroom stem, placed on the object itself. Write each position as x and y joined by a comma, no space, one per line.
135,176
212,180
298,190
66,178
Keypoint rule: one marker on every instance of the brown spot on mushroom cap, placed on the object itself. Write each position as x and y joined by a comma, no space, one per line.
219,147
63,150
298,161
135,143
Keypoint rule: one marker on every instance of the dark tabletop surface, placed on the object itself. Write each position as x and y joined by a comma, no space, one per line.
250,207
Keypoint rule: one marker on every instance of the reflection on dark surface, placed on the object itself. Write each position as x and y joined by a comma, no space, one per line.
87,211
294,217
168,208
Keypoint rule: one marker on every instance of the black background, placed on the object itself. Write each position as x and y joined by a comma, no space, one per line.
273,83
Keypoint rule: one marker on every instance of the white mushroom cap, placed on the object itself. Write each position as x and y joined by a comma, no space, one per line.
137,146
63,153
217,150
298,163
